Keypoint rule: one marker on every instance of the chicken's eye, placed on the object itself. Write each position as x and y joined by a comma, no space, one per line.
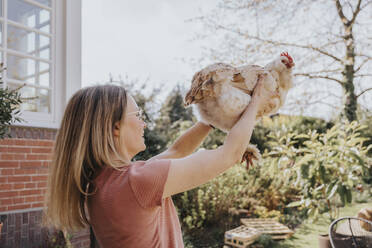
283,61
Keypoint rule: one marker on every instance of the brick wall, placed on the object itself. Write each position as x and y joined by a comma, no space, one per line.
24,162
23,172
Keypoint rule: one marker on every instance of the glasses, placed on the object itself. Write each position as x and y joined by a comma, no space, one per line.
139,113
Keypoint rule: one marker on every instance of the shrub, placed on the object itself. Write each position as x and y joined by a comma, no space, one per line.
329,168
9,103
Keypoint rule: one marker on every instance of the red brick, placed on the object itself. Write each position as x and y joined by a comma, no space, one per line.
40,198
8,194
9,164
5,186
30,192
39,178
16,207
42,185
41,150
6,142
46,163
7,172
8,201
18,186
7,156
30,164
19,149
19,156
3,209
19,200
37,205
3,179
39,156
30,185
19,142
19,179
47,143
31,199
43,171
25,171
3,149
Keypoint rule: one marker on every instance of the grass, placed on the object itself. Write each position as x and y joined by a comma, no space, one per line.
306,235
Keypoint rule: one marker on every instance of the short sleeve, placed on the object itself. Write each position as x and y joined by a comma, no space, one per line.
147,182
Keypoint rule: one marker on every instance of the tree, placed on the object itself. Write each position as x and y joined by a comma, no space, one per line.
330,41
174,118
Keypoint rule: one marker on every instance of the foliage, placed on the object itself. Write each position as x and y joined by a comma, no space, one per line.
9,107
210,203
264,241
287,176
328,168
285,124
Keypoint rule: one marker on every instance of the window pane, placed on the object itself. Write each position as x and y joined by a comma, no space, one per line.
28,70
36,100
28,42
27,14
44,2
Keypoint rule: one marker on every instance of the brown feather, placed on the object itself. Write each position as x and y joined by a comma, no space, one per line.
203,82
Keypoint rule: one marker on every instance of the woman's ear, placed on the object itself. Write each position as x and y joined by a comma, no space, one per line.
116,130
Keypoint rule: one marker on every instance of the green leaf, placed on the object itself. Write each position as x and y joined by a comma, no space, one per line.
348,196
295,204
333,191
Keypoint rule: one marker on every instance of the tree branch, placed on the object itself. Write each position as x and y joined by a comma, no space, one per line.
318,76
363,55
356,12
364,91
365,5
341,13
317,49
363,75
362,64
325,71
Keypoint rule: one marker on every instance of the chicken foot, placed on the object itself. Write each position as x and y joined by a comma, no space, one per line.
251,154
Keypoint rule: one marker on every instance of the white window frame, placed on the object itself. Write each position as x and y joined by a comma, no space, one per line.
65,60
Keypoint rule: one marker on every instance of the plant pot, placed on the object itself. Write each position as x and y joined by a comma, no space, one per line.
323,241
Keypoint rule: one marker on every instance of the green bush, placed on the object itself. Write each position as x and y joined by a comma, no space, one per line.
9,103
285,124
329,167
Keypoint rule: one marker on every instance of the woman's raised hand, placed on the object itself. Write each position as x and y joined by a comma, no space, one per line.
262,94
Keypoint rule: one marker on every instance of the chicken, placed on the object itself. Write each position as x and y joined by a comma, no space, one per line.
221,92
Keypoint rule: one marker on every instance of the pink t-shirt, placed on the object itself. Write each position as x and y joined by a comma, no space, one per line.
128,210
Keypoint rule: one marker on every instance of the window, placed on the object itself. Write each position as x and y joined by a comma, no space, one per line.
27,44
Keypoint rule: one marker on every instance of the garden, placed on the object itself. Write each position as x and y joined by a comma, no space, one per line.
311,172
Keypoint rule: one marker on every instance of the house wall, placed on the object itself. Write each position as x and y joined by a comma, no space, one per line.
24,162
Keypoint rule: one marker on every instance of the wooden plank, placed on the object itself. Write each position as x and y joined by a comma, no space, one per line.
268,226
241,237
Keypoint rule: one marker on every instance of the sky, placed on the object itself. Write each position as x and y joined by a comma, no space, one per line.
139,39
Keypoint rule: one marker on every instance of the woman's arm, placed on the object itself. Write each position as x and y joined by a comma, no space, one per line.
186,143
200,167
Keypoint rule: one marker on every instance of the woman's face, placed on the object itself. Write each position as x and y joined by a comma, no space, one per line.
132,131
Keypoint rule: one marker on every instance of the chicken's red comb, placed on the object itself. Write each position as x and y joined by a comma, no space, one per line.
288,56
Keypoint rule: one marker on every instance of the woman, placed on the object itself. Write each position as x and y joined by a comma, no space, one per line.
129,203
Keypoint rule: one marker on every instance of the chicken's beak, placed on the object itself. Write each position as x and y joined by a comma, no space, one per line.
290,65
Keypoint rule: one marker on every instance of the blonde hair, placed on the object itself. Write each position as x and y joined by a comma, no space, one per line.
84,144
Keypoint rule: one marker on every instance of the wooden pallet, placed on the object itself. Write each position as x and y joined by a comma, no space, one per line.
241,236
268,226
